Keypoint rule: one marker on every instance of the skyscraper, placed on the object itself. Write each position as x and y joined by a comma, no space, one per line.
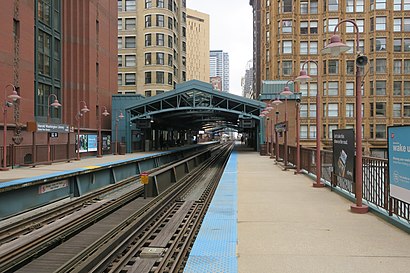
219,67
296,31
151,46
197,46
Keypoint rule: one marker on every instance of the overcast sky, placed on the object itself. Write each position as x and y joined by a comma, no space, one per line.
231,31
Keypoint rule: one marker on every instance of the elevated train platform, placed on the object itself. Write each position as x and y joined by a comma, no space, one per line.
264,219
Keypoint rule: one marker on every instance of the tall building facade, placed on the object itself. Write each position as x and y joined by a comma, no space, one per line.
257,74
54,50
219,67
247,81
197,46
292,32
152,46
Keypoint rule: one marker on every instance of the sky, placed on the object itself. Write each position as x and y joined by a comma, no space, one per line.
230,31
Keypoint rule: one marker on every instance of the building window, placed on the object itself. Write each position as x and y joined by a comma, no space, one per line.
406,88
397,110
397,88
148,78
148,59
304,48
160,58
130,60
397,5
381,131
160,4
406,43
378,109
380,44
148,4
148,93
170,42
119,60
44,11
129,42
119,42
287,68
287,26
332,110
406,24
44,53
349,89
349,110
160,77
304,7
303,111
397,45
330,130
406,110
380,88
148,21
287,47
312,110
303,131
129,78
130,5
119,81
170,81
312,131
397,25
287,6
119,24
130,24
119,5
380,66
397,67
148,39
333,5
333,66
350,67
170,60
304,27
380,23
170,23
160,39
330,24
160,20
332,88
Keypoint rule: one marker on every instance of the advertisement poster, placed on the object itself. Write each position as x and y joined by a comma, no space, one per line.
344,153
83,143
106,142
399,162
92,143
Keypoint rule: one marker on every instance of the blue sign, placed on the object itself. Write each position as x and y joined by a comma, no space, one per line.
92,143
399,162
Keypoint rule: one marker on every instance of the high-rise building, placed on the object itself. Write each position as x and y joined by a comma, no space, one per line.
219,67
197,46
151,46
296,31
257,71
56,50
247,81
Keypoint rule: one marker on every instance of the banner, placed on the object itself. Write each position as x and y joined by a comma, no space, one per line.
399,162
344,153
92,143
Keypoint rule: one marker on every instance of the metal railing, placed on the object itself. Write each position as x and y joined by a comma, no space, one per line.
376,182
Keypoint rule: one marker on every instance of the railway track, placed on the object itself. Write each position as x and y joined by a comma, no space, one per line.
96,248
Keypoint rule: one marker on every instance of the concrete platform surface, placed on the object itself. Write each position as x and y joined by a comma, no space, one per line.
286,225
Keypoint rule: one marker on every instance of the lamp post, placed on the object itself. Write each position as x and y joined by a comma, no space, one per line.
303,78
335,47
55,104
117,119
297,135
276,102
14,96
286,92
79,114
105,113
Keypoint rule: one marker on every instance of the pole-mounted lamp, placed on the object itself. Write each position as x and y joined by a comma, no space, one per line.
80,114
335,48
14,97
55,105
105,114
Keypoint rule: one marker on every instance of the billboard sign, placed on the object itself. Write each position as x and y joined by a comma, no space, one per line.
343,153
57,128
399,162
92,143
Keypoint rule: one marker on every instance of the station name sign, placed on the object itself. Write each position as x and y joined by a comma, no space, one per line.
281,127
57,128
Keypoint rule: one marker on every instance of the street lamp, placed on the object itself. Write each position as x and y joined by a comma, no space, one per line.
117,119
286,92
14,96
79,114
276,102
55,104
303,78
335,47
105,113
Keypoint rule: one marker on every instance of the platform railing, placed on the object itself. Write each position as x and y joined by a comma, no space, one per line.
376,182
